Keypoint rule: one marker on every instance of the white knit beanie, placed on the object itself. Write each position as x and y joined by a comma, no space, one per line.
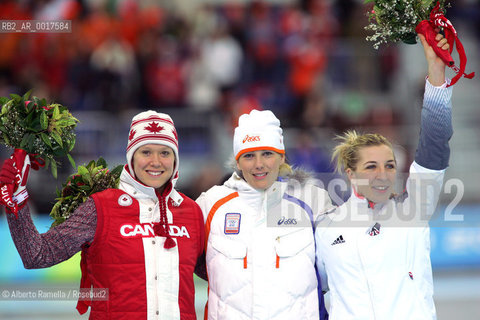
151,127
258,130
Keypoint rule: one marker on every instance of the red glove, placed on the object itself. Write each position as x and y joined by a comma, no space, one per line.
427,28
13,181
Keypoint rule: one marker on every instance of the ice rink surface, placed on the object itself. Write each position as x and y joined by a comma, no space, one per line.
457,296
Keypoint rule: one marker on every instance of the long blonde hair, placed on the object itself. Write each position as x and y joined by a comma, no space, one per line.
346,153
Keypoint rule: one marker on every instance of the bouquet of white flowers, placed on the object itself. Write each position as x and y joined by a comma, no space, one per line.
396,20
401,20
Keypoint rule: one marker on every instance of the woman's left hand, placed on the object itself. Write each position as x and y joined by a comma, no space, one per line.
436,66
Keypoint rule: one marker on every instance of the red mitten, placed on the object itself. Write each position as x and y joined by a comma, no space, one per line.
7,182
13,180
8,172
427,28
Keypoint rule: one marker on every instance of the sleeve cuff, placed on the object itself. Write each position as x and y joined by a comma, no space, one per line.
437,94
416,168
443,86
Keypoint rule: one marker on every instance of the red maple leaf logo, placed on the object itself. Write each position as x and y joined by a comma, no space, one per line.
132,134
154,127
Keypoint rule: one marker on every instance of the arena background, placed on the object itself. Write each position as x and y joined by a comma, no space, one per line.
207,62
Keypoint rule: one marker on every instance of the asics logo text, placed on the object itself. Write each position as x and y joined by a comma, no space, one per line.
251,138
286,221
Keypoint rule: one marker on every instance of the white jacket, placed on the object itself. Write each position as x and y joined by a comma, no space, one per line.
384,273
260,251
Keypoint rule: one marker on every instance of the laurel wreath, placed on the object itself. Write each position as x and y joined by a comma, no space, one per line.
89,179
395,20
44,131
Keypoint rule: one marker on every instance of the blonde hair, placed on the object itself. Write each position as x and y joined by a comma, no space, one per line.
346,153
285,170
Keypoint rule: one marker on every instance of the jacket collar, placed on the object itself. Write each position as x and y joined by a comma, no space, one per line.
273,194
362,203
239,184
361,199
140,191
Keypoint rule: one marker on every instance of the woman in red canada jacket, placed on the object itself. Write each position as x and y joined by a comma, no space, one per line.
141,241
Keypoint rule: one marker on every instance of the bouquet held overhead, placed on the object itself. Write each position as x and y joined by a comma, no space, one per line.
401,20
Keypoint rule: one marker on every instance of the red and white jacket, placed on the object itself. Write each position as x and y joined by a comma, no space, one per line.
127,256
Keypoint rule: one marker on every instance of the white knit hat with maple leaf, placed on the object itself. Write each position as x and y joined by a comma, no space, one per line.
150,127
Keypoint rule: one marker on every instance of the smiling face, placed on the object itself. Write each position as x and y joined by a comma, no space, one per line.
153,165
260,168
374,175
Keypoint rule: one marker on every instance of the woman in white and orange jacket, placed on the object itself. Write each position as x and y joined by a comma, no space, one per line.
260,248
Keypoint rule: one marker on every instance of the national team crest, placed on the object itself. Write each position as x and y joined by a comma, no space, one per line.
375,231
232,223
125,200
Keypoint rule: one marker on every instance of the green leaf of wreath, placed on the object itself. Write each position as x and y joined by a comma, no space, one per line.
57,138
54,168
43,120
72,162
45,139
